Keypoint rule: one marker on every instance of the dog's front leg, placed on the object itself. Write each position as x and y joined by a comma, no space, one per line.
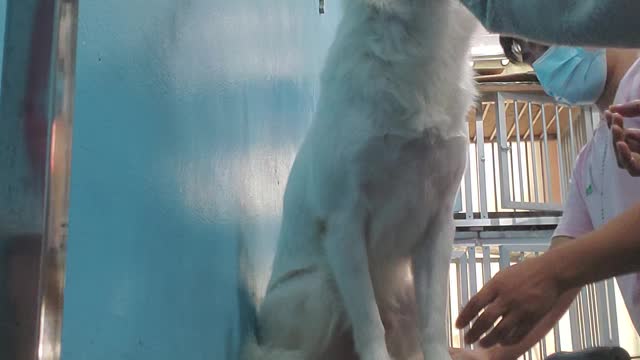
431,273
347,256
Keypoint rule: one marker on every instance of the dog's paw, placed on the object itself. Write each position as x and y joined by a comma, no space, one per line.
435,352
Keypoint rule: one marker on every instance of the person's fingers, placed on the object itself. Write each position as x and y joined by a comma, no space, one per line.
483,298
632,138
461,354
627,110
608,115
618,120
630,160
500,332
617,135
634,164
624,152
484,322
518,333
634,145
632,133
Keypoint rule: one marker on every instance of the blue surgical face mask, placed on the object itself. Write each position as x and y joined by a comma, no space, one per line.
571,75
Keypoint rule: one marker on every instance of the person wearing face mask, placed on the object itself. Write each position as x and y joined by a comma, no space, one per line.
600,191
603,23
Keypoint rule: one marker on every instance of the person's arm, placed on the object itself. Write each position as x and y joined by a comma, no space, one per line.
575,222
544,326
609,251
513,352
601,23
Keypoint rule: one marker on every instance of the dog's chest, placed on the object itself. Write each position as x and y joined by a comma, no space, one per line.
406,182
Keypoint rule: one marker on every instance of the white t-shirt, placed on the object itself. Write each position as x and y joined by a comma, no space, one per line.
600,191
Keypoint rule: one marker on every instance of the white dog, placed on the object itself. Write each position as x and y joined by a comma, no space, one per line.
363,256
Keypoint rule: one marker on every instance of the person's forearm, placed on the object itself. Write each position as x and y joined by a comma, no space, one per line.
603,23
612,250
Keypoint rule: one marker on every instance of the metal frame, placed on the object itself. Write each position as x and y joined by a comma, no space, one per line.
35,135
509,200
522,157
481,160
510,221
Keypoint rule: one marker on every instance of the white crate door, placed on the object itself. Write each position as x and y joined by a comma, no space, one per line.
538,140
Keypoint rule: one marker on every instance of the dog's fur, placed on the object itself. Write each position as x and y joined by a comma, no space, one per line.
369,200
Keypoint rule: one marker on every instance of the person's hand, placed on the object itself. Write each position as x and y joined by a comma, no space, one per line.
520,296
626,142
630,109
465,354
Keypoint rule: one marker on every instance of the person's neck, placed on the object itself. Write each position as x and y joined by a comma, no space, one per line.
619,61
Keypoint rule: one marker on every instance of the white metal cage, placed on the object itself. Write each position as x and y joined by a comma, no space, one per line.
522,151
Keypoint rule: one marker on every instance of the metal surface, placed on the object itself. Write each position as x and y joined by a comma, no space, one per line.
532,143
587,336
536,180
519,169
547,159
460,261
35,135
523,172
572,136
481,160
52,273
468,189
613,315
510,221
473,279
564,174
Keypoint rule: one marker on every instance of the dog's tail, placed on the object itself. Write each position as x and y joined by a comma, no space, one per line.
250,348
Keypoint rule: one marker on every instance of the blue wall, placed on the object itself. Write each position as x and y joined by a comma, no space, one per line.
3,23
188,115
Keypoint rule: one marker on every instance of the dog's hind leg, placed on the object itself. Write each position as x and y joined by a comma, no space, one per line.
304,314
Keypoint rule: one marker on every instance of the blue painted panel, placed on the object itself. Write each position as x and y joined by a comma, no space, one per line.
188,115
3,22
